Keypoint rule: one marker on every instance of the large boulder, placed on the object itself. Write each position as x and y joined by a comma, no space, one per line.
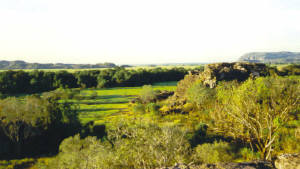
288,161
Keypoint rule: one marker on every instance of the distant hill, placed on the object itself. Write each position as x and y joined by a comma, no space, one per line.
271,57
18,64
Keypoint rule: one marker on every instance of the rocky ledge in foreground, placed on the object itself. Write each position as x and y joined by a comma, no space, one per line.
285,161
288,161
244,165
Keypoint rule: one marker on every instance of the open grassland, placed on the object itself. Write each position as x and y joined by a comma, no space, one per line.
103,105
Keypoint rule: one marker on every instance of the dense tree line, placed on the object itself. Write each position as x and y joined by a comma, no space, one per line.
12,82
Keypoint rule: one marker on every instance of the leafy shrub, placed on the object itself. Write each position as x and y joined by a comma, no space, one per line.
213,152
288,138
128,146
147,94
185,84
290,70
248,155
76,153
256,110
199,94
152,108
138,108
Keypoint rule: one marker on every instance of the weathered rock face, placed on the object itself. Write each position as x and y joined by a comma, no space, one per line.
231,71
164,95
288,161
245,165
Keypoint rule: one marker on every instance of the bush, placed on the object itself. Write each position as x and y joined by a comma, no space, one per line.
256,110
139,108
147,94
152,108
248,155
128,146
213,152
76,153
200,95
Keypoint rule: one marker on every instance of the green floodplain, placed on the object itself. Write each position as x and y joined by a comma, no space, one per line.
103,105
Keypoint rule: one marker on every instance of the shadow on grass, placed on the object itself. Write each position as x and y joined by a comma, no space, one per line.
96,103
101,109
103,97
113,96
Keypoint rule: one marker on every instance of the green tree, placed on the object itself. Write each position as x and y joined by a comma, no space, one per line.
20,121
36,120
256,110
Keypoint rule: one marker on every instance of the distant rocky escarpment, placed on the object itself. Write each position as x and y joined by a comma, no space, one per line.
271,57
24,65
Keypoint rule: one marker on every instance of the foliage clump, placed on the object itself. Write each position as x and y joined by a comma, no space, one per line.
256,110
39,122
214,152
127,146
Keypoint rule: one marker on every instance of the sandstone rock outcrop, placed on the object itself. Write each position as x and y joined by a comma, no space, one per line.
212,74
288,161
231,71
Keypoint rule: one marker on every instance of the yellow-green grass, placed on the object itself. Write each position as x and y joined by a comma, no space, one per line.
104,105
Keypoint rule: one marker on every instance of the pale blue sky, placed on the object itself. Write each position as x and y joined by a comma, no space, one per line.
139,31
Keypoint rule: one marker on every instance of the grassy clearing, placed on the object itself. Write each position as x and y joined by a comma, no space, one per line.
103,105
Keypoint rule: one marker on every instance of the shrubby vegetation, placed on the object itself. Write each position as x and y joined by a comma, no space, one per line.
262,114
214,152
256,110
126,146
293,69
234,121
35,125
